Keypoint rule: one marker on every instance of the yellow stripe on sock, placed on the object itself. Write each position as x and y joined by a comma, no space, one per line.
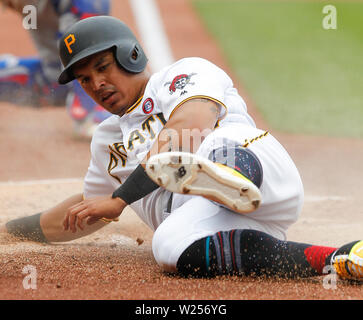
233,171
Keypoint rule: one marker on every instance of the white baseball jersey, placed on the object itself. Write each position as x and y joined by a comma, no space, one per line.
121,143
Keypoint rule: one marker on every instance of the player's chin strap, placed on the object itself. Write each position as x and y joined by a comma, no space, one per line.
136,186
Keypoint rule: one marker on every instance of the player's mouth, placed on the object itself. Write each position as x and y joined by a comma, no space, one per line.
108,98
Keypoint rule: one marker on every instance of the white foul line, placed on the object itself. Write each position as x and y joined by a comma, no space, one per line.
80,180
324,198
40,182
153,37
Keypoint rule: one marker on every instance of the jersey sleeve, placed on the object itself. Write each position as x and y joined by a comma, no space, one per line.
98,181
192,78
95,183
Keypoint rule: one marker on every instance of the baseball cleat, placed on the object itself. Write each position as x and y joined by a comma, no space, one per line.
187,173
350,266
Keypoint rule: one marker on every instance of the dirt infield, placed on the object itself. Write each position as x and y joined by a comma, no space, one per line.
41,164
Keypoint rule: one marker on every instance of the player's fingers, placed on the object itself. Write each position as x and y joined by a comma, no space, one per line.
80,218
68,214
65,222
73,216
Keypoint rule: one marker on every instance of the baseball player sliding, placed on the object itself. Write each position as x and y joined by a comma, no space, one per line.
183,152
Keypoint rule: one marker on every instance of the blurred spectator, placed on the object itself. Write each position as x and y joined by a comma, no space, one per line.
33,80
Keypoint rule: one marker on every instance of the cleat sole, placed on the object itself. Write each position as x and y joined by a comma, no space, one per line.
187,173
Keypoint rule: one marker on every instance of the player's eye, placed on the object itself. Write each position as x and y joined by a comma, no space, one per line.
84,80
103,67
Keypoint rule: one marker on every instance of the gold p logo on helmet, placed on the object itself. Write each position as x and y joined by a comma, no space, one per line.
69,40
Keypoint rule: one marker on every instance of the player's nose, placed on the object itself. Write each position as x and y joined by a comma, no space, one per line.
97,82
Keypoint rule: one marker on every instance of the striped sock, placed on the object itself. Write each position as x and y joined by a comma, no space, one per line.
251,252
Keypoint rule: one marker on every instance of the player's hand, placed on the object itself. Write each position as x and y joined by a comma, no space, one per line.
92,210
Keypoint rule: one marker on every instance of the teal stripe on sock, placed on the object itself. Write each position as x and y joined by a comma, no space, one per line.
207,253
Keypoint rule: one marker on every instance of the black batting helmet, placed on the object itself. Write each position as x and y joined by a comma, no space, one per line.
96,34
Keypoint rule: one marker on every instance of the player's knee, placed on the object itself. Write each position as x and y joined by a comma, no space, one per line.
241,159
174,252
162,246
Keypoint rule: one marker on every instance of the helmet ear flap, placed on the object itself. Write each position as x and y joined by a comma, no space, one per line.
131,57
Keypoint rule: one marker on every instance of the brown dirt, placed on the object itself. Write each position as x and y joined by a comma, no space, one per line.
112,264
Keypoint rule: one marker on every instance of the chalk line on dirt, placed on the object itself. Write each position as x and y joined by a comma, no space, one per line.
318,198
152,32
308,198
40,182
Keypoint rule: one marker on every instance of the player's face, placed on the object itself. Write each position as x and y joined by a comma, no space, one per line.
109,85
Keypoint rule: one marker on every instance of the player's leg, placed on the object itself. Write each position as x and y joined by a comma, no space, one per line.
257,169
252,252
210,239
203,238
234,185
200,238
193,218
268,167
48,225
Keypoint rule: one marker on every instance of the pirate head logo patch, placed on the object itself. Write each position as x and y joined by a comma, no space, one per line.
148,105
179,82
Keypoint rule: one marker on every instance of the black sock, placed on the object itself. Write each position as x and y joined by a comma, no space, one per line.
251,252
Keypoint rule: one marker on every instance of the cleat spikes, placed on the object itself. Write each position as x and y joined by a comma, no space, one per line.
186,190
187,173
256,203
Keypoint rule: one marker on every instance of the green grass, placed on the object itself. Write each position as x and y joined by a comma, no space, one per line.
302,78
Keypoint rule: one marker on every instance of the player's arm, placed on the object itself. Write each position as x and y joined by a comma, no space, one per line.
198,115
48,225
187,127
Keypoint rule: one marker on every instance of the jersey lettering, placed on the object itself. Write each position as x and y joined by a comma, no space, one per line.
146,125
122,154
135,135
112,165
117,152
160,116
